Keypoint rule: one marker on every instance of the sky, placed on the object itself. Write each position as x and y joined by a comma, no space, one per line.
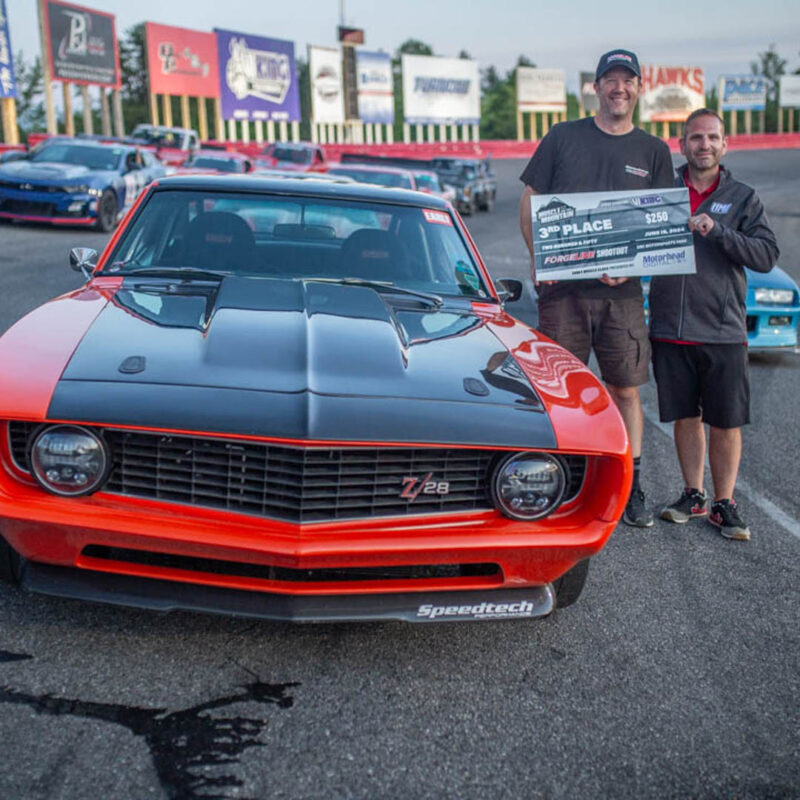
722,38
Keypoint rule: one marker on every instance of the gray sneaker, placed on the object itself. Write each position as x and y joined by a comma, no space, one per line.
689,505
725,516
635,512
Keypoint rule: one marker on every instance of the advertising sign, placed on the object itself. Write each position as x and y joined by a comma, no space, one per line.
441,91
8,83
585,235
541,89
790,91
181,61
743,92
81,44
375,87
670,94
257,77
327,94
589,100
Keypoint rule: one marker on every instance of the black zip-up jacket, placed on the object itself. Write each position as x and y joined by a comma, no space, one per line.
709,307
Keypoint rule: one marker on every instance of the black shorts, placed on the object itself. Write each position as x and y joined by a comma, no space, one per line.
702,380
614,328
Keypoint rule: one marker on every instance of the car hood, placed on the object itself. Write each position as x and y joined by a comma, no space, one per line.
46,172
306,359
776,278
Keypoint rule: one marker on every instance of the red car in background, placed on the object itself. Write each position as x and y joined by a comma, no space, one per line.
299,156
214,162
390,177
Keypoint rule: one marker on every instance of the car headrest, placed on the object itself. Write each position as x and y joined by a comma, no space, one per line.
374,255
220,240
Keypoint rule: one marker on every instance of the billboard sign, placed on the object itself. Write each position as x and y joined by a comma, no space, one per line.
327,94
588,95
790,91
257,77
670,94
351,35
743,92
8,83
181,61
81,44
443,91
541,89
375,87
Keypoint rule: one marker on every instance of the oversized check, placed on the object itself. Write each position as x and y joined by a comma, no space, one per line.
621,234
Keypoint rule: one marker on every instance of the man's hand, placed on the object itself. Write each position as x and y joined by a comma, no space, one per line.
609,281
702,223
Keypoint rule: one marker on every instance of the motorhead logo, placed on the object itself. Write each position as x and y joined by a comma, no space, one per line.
257,73
78,40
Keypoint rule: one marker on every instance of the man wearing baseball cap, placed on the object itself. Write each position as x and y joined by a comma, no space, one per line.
595,154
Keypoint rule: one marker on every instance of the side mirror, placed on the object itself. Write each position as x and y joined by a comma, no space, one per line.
509,290
83,259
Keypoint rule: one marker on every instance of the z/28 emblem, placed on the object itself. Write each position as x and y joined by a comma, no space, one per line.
414,486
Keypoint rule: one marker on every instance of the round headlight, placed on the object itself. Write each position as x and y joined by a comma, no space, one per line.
68,460
528,486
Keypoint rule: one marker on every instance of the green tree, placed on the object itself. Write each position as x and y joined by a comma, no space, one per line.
771,66
30,106
499,101
133,65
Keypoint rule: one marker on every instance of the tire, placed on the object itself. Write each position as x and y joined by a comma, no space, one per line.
488,202
107,212
9,562
569,586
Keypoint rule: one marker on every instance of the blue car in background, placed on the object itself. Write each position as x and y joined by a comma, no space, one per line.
67,181
773,309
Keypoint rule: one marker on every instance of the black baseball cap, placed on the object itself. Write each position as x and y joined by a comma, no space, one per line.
617,58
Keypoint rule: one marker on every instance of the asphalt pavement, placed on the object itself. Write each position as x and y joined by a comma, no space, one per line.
674,675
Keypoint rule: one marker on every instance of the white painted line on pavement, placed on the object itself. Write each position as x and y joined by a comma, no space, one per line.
776,514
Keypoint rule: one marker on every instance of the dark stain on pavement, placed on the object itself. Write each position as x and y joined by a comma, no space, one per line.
6,656
183,744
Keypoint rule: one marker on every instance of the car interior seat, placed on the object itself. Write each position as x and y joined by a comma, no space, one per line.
221,240
374,255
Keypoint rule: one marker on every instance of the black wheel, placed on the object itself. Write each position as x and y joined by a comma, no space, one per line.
570,585
9,562
107,211
488,202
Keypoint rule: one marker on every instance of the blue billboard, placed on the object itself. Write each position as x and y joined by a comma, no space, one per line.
743,92
8,83
257,78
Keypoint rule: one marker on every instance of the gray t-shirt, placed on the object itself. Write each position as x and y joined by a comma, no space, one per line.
579,157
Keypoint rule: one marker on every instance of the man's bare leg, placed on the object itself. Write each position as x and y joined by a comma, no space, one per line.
690,444
629,404
724,455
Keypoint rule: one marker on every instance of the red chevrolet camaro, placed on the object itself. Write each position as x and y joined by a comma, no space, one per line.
300,400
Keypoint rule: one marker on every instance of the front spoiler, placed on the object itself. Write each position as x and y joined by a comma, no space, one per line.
158,595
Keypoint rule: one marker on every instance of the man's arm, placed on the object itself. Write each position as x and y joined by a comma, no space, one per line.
525,224
753,245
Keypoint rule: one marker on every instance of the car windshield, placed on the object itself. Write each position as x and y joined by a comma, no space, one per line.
261,235
222,164
426,181
394,180
101,158
296,155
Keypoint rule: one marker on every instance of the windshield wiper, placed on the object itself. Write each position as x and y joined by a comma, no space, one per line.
169,272
380,286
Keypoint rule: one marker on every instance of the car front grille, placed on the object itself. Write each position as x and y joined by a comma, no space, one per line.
297,484
31,207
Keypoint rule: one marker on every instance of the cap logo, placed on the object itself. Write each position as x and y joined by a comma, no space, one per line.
618,57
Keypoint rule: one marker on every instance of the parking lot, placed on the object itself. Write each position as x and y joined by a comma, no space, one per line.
675,675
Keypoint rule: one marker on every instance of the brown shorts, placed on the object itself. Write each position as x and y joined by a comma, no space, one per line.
614,328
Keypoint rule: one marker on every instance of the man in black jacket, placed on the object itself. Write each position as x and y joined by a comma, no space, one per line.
698,331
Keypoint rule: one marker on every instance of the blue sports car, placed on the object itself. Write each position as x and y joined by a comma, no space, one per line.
773,309
76,182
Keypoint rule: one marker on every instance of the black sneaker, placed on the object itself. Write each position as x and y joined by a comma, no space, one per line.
725,516
689,505
635,512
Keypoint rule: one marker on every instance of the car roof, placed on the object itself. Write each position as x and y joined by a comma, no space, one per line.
303,188
371,168
89,143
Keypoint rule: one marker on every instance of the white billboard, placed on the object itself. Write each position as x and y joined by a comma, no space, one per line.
327,94
670,94
375,87
441,91
541,89
790,91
